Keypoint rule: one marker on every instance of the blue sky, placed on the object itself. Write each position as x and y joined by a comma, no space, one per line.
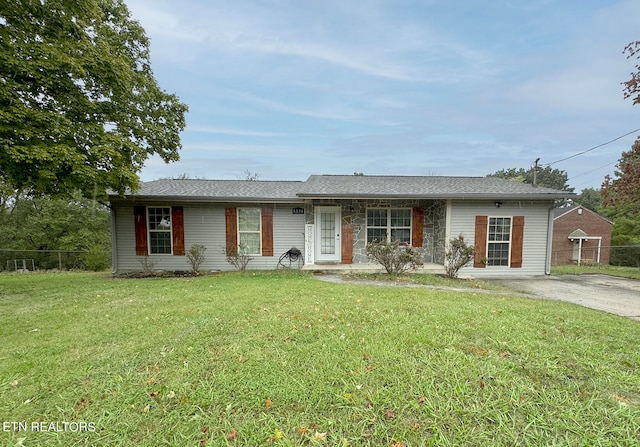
287,89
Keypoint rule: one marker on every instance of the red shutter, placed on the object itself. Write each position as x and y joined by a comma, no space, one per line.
480,242
177,219
140,218
231,228
267,231
347,243
517,239
417,227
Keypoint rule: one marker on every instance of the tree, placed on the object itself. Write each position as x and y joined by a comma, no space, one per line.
251,176
45,223
621,195
632,86
79,106
548,177
590,198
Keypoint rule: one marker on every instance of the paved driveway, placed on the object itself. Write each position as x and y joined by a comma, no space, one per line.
619,296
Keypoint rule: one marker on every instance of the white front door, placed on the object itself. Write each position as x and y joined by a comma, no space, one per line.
327,220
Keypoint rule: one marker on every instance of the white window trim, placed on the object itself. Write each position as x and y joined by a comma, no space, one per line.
259,231
510,242
149,230
388,226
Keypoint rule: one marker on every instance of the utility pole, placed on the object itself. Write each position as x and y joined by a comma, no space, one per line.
535,172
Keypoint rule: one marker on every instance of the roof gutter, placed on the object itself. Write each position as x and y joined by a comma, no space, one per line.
485,196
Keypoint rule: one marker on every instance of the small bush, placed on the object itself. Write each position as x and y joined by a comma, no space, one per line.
393,256
237,256
98,258
458,255
147,264
195,256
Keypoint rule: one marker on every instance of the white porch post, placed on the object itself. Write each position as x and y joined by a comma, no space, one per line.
309,241
579,250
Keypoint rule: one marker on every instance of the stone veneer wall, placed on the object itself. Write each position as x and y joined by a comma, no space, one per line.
354,211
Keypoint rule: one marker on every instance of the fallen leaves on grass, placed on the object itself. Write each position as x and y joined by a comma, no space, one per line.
479,351
233,435
268,403
204,439
276,436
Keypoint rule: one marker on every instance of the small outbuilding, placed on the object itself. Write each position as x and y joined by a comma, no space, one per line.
580,236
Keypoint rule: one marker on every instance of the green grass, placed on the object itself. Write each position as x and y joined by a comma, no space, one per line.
429,280
613,270
282,359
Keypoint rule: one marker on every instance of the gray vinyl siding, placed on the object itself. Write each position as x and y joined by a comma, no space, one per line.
534,250
205,224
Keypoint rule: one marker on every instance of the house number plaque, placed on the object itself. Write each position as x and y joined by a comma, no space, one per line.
297,210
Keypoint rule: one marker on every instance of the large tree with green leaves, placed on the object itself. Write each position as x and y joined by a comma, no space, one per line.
590,198
548,177
632,86
621,194
80,108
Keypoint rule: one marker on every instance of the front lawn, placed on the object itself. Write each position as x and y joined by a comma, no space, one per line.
603,269
282,359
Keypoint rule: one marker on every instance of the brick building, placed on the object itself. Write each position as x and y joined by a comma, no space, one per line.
580,236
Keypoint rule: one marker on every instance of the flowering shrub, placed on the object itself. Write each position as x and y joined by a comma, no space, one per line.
393,256
458,255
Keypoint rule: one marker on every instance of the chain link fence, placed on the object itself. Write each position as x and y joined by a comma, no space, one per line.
623,255
30,260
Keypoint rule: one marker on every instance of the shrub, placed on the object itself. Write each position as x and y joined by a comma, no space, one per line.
147,264
237,256
195,256
98,258
393,256
458,255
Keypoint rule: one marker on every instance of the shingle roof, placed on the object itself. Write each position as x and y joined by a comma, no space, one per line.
219,190
354,186
344,186
558,212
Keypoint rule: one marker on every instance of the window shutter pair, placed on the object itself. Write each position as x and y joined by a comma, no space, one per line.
231,230
177,229
480,244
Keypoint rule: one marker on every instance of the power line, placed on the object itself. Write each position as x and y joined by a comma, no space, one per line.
594,170
594,147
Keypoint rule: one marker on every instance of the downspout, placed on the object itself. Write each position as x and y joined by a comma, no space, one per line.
547,266
114,243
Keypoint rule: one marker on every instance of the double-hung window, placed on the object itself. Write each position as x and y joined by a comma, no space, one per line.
498,241
389,224
249,231
159,221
